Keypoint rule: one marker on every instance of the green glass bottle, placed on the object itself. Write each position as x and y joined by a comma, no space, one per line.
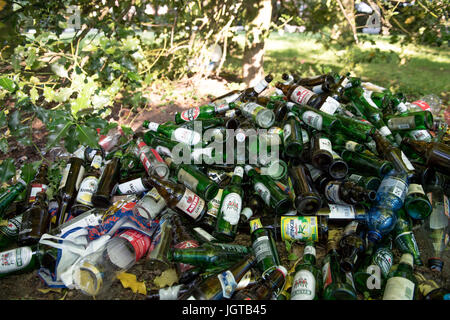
230,208
362,162
203,112
264,247
269,191
337,285
401,284
209,255
261,116
338,139
367,182
292,134
355,129
11,193
174,132
316,119
417,204
9,232
435,154
193,179
20,260
404,238
420,120
307,281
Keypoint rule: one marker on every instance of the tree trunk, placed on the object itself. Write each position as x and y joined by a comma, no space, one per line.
258,29
348,9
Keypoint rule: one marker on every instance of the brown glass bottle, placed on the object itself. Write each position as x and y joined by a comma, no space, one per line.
299,94
393,154
68,187
89,184
347,192
179,198
108,182
39,183
435,154
265,288
307,200
321,151
35,221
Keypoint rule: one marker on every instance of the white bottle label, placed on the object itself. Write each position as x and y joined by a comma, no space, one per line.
301,95
351,145
401,107
97,162
261,85
325,144
420,135
287,131
368,96
303,286
228,283
15,259
247,213
393,186
153,126
398,288
385,131
317,89
355,177
305,136
187,179
231,208
132,187
263,192
239,171
186,136
312,119
309,250
338,211
330,106
64,176
190,114
87,189
332,193
191,204
169,293
415,188
35,189
261,248
408,164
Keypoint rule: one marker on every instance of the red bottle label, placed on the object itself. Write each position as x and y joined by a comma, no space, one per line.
184,245
422,104
190,114
139,241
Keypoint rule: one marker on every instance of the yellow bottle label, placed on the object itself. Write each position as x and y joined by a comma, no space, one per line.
299,228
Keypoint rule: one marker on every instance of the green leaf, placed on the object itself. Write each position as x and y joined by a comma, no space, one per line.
96,122
4,145
29,170
134,76
292,257
57,133
7,170
8,84
14,121
86,136
3,120
288,245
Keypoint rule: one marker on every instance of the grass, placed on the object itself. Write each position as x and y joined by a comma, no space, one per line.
413,69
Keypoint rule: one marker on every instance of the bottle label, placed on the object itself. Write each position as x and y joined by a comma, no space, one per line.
263,192
402,123
401,107
191,204
312,119
186,136
305,136
64,176
317,89
214,204
238,171
190,114
247,213
350,228
393,186
15,259
35,189
163,150
406,161
139,241
421,135
185,245
255,224
261,85
399,288
338,211
330,106
87,189
384,131
368,96
287,131
325,144
301,95
12,228
228,283
231,208
97,162
187,179
223,107
326,274
299,228
355,177
303,286
404,240
351,145
261,248
153,126
332,193
384,258
422,104
204,234
132,187
310,250
415,188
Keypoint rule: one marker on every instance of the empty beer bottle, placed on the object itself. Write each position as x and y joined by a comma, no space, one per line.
316,119
35,221
307,200
352,245
307,281
266,288
107,182
321,151
152,161
269,192
174,132
9,232
263,117
253,92
401,284
89,184
222,285
11,193
299,94
292,134
404,238
179,198
203,112
264,247
209,220
420,120
435,154
157,255
338,168
362,162
230,208
194,179
337,285
70,182
417,204
39,183
340,140
347,192
355,129
367,182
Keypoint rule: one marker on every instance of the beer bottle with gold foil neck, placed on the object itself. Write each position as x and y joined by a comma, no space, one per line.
230,208
222,285
69,185
107,184
337,285
179,198
307,282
